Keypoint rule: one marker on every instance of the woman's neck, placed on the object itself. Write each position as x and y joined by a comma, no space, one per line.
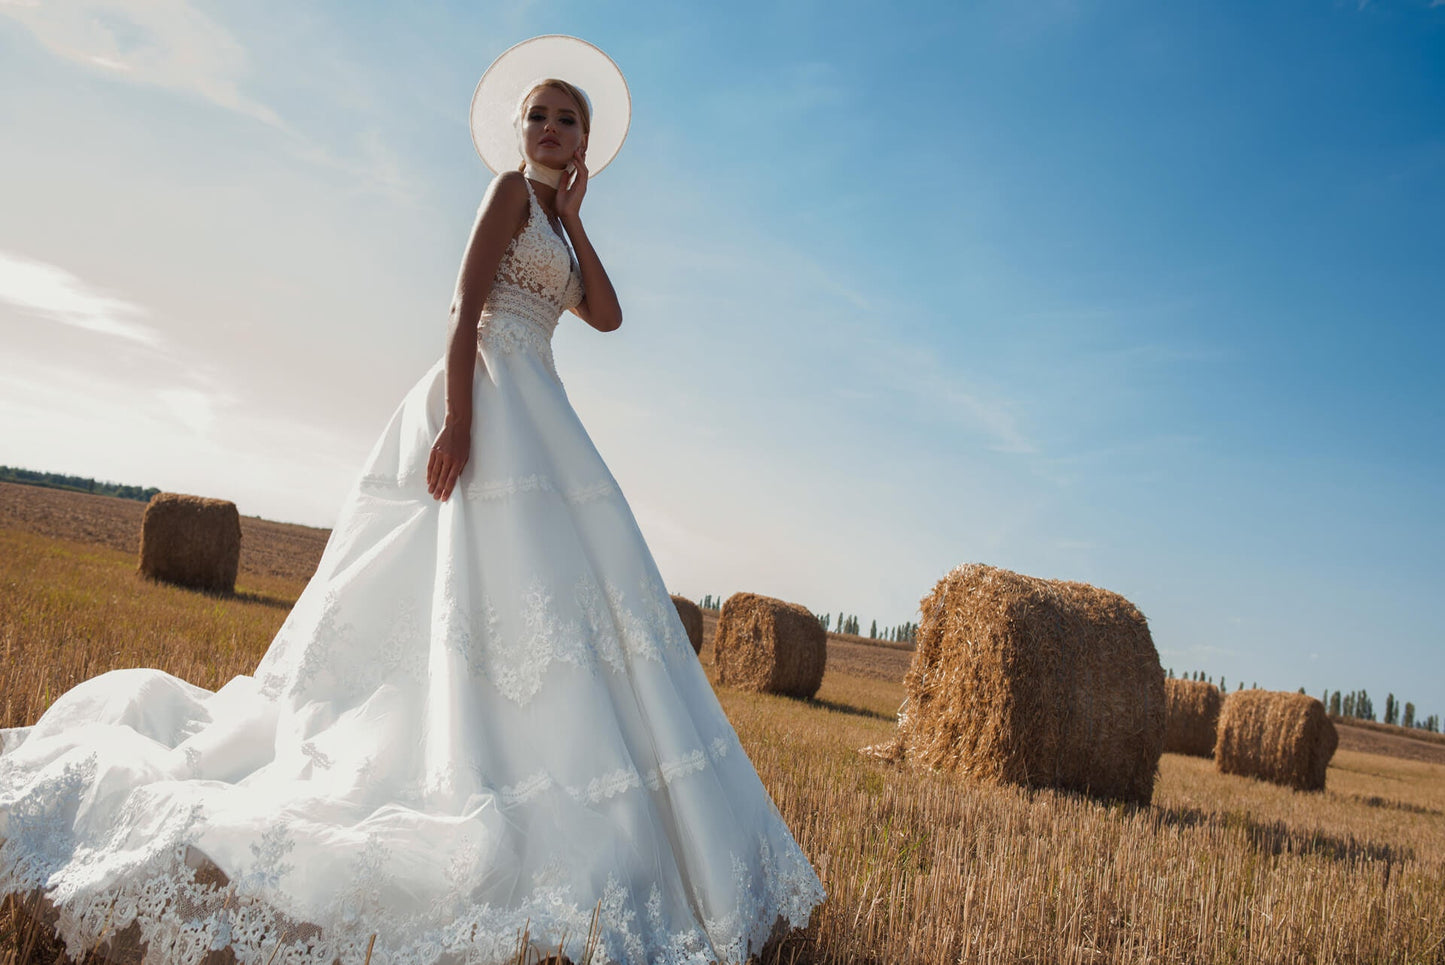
551,177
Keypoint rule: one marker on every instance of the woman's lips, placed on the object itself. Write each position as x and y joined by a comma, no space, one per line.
549,142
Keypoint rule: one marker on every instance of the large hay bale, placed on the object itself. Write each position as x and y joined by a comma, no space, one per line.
1041,683
191,541
768,645
1191,713
1281,737
691,615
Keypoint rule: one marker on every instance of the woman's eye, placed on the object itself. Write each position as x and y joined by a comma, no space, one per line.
568,121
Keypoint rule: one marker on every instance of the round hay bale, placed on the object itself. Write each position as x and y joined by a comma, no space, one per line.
767,645
1280,737
691,616
1191,713
191,541
1041,683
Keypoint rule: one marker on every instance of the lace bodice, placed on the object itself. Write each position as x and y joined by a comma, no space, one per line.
535,283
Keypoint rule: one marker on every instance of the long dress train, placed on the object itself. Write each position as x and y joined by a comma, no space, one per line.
480,715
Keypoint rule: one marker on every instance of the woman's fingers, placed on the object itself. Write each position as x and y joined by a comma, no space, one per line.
451,481
433,471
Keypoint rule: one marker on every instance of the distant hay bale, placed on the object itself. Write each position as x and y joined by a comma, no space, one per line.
691,615
191,541
768,645
1041,683
1281,737
1191,713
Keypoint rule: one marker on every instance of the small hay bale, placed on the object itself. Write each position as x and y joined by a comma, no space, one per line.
191,541
691,616
767,645
1041,683
1191,713
1281,737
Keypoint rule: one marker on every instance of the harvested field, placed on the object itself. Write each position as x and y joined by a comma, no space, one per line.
1369,741
283,550
917,867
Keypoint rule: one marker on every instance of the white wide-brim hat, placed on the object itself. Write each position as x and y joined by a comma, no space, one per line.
497,103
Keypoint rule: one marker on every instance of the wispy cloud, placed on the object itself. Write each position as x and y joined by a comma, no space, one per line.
50,292
161,43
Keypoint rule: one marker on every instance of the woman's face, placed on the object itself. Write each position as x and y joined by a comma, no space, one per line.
551,128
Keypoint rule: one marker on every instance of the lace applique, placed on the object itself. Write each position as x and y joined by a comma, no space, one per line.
182,915
338,659
655,629
616,782
605,639
314,753
536,282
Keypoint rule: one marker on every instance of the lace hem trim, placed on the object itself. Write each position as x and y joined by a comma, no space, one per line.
624,779
184,907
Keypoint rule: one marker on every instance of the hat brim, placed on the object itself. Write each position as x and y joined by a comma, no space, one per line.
496,99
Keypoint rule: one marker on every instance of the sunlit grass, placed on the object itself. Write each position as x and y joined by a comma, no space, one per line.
918,868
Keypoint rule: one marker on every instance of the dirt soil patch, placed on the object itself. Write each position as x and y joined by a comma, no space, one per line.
268,548
1391,745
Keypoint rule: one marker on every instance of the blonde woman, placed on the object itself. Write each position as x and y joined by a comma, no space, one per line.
482,717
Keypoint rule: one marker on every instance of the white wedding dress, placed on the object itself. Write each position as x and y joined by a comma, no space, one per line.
481,715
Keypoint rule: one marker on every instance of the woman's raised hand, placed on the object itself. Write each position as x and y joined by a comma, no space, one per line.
449,454
569,196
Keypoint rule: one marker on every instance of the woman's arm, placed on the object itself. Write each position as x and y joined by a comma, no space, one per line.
599,307
501,216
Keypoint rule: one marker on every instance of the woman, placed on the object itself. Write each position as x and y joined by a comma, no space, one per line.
482,715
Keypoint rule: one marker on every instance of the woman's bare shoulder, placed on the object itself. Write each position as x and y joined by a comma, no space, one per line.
505,207
508,189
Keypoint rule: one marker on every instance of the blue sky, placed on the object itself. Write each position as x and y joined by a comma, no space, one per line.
1142,295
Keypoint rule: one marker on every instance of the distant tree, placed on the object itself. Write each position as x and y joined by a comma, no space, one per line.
1301,690
1409,719
1432,723
1222,685
1392,713
1335,703
873,631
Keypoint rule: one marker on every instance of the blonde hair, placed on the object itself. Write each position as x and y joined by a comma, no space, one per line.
584,106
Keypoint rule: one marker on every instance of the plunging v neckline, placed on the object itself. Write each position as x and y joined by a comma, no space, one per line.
531,193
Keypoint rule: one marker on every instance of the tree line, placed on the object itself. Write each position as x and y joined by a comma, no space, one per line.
1356,704
848,623
80,484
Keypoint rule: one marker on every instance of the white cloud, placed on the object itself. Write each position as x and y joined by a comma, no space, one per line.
161,43
193,408
50,292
